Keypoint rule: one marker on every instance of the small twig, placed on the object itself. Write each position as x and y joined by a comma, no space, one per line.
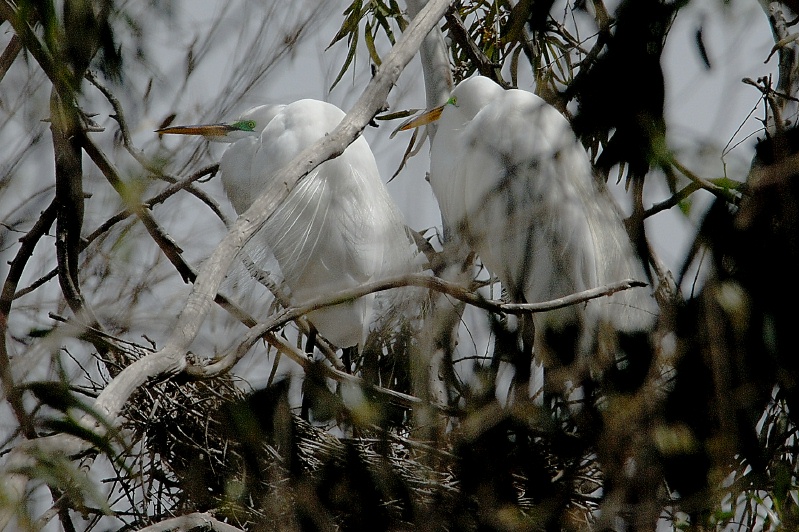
123,126
459,34
604,23
122,215
15,271
96,335
719,192
141,158
676,198
782,43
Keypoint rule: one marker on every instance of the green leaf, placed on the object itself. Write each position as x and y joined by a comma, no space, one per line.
401,22
348,60
729,184
39,333
368,36
384,23
352,18
685,206
58,471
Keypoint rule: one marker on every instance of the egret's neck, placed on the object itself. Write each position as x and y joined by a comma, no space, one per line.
435,64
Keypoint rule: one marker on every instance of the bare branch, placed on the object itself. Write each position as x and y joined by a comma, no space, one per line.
9,54
670,202
142,159
720,192
122,215
788,82
15,271
485,66
227,360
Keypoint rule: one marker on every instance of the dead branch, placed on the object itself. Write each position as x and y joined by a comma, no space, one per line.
15,271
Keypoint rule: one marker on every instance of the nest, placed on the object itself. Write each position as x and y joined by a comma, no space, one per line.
250,460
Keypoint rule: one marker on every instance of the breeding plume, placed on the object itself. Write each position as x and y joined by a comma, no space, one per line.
514,182
337,229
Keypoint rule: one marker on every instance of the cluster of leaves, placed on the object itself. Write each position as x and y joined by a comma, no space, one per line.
379,16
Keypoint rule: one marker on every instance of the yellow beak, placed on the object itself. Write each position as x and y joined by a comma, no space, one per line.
209,130
423,119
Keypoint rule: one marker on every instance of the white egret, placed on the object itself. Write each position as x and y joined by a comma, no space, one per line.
338,228
514,182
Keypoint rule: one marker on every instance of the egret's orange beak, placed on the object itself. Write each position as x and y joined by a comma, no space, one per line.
209,130
423,119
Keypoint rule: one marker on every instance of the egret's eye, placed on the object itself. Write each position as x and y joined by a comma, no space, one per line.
453,100
245,125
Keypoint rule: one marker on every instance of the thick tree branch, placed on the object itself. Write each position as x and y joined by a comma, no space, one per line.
172,356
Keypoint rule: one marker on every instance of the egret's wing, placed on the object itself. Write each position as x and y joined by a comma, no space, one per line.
316,234
565,223
526,221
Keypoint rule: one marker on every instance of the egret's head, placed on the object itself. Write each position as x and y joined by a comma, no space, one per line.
468,98
250,124
474,93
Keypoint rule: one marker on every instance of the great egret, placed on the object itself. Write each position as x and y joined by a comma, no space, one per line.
513,181
338,229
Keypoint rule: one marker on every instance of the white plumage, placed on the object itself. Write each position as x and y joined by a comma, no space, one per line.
512,180
336,230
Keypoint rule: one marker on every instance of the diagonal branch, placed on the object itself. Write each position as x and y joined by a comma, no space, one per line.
15,271
9,54
142,159
120,216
